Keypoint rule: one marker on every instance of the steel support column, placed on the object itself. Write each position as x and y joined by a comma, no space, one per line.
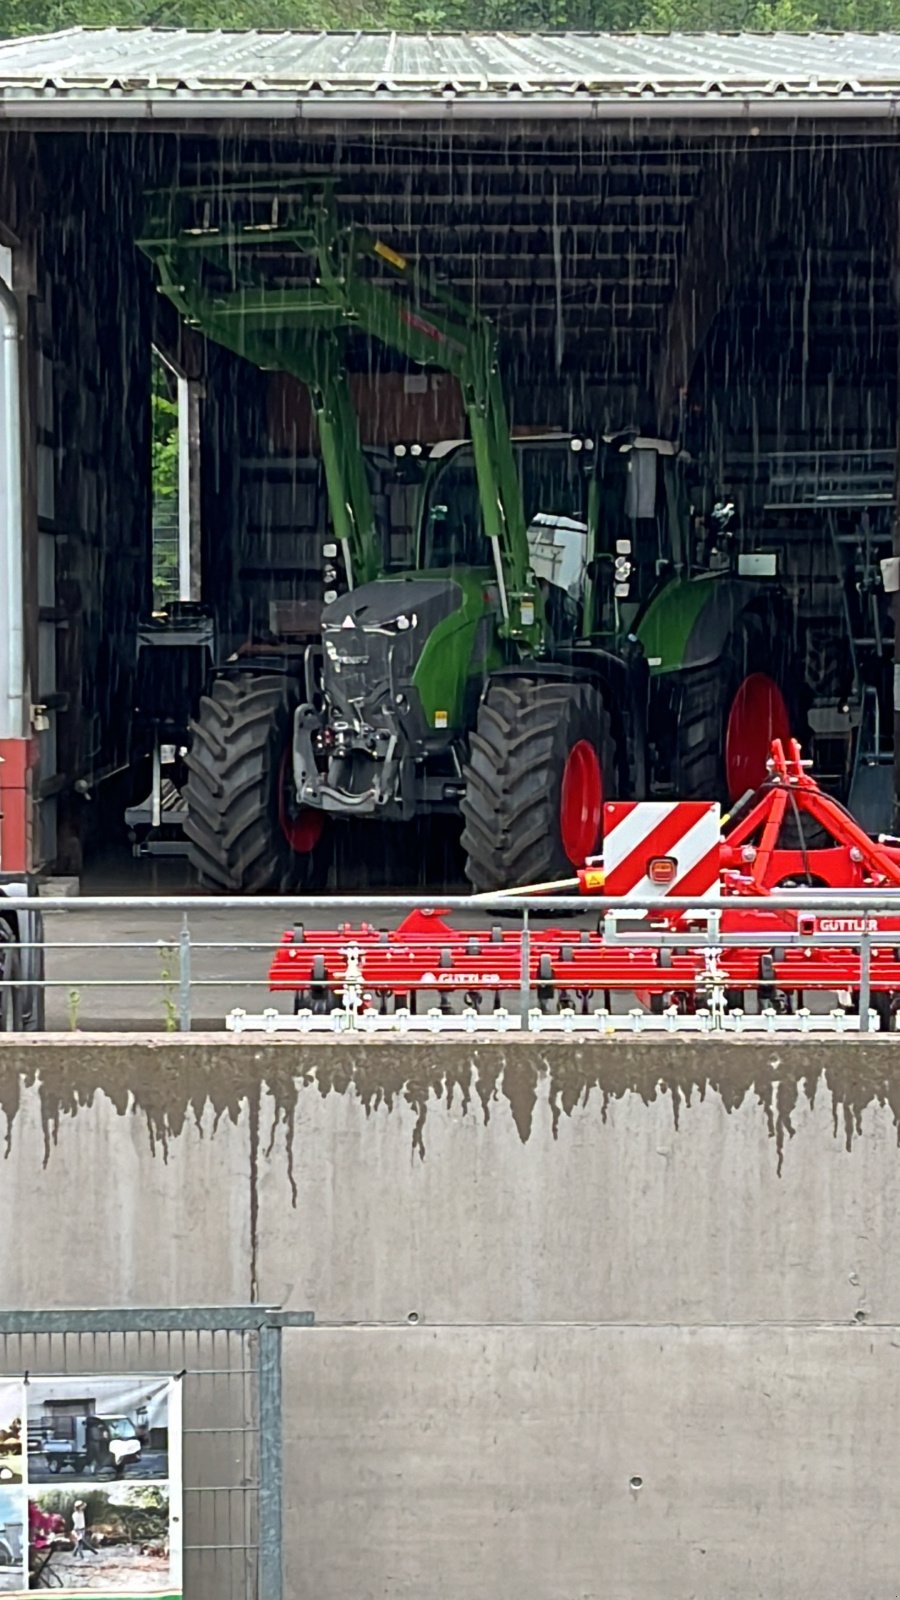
895,244
271,1566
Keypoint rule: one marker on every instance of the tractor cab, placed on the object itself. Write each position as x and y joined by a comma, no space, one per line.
550,471
605,526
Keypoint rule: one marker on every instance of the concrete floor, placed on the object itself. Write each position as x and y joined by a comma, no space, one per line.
118,970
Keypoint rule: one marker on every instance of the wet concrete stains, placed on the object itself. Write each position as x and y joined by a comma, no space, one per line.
170,1083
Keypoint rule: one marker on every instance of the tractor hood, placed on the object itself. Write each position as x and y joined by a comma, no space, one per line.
420,602
372,640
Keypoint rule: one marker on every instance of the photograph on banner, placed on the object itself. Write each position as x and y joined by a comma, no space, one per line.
92,1427
12,1539
12,1465
111,1540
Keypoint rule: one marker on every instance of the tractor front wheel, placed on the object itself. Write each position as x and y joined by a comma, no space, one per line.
541,762
245,835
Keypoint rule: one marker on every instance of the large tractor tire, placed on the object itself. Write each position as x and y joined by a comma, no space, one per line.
728,713
541,761
244,836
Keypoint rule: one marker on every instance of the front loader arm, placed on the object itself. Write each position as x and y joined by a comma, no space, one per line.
307,342
298,327
457,339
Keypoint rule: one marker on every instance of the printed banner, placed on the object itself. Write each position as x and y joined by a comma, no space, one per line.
90,1487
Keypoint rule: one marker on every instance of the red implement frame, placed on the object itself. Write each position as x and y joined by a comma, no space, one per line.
426,953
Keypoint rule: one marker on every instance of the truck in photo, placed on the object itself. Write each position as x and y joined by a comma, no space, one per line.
92,1445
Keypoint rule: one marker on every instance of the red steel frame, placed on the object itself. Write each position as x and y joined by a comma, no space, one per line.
17,758
426,953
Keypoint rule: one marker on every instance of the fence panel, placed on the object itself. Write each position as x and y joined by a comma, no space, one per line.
229,1363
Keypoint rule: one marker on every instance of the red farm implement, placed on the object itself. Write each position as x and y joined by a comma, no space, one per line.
692,926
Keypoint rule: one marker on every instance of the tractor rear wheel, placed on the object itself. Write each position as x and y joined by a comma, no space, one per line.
245,836
541,762
727,715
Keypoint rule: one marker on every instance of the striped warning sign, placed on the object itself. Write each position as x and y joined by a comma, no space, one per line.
659,847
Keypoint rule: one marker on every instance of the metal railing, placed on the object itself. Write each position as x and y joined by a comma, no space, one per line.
193,953
813,479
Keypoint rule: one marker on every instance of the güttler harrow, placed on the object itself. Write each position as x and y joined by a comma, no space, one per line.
746,963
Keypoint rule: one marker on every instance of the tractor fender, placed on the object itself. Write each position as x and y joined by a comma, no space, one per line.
689,622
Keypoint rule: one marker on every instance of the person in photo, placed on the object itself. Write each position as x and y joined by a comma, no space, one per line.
79,1548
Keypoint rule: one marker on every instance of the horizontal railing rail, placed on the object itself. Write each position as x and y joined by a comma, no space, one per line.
189,956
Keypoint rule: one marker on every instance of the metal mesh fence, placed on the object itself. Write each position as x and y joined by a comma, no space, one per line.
231,1396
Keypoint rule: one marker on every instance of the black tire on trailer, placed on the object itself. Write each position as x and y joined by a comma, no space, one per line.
541,761
728,712
243,836
31,971
10,997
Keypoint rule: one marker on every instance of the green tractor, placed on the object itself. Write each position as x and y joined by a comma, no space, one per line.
573,627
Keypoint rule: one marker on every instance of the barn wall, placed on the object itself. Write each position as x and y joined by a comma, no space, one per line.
87,449
603,1320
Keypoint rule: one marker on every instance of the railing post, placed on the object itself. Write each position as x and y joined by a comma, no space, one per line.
865,975
525,968
184,976
271,1531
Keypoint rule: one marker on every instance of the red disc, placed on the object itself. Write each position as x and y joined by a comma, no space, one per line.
758,715
302,829
581,802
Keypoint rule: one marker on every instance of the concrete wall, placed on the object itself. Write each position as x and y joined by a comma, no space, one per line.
616,1319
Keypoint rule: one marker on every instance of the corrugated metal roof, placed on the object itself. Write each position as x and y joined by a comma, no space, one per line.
311,73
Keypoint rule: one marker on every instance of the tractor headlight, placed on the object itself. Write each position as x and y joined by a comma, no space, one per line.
403,623
621,577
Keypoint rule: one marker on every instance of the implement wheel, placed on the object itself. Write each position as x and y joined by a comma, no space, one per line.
245,834
541,763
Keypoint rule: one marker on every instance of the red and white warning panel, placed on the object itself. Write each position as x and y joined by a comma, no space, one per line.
659,847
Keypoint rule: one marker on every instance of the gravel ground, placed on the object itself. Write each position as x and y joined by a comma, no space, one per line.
123,1567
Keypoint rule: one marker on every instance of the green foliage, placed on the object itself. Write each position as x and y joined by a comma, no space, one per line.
164,470
142,1509
37,16
165,431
